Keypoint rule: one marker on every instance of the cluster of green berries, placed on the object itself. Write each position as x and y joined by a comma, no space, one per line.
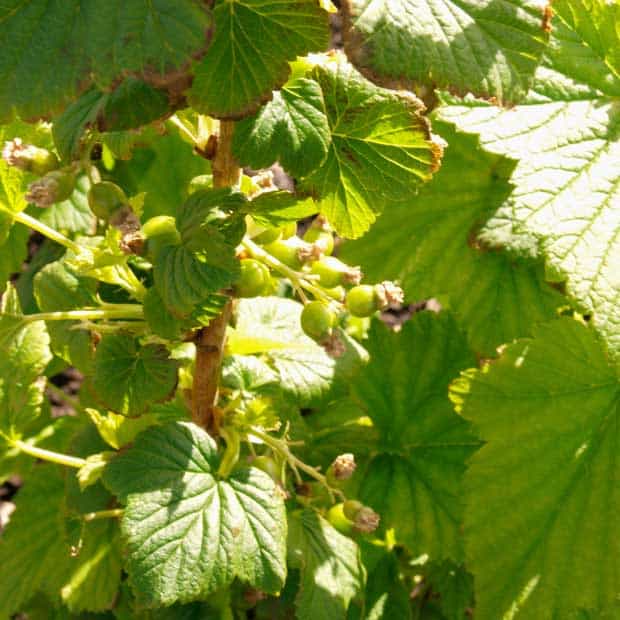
311,257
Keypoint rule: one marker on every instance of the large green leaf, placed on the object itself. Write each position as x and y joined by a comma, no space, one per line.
271,327
380,148
331,570
188,532
292,128
25,354
414,481
566,201
32,549
13,252
542,497
98,42
431,246
484,47
128,377
254,41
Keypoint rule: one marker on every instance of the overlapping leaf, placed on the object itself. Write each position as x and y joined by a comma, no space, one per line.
431,246
189,533
566,200
129,377
359,148
487,48
97,42
543,487
414,481
270,326
331,570
248,58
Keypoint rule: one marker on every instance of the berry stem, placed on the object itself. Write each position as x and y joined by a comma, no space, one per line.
126,311
113,513
297,279
48,455
210,340
46,231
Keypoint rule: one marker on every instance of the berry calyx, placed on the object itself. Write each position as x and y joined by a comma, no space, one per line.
389,295
28,157
253,279
160,231
317,320
343,466
365,519
362,301
333,272
105,198
55,186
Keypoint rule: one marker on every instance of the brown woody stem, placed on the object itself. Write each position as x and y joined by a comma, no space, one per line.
210,340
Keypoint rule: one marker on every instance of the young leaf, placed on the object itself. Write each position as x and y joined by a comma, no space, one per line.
189,533
32,549
25,354
331,570
545,477
380,148
248,58
488,48
292,129
565,138
128,378
133,104
98,43
414,481
271,326
277,208
431,246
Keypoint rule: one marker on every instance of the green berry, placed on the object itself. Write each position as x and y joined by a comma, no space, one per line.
361,300
336,517
286,252
323,238
202,181
317,320
253,279
105,198
333,272
289,230
160,231
268,465
55,186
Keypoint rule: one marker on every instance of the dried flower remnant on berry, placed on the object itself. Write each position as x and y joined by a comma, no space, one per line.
366,520
389,295
344,466
54,187
28,157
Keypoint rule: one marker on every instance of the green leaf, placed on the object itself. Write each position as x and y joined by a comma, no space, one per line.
277,208
271,326
189,533
414,481
431,246
565,140
98,43
292,129
72,215
454,586
32,548
545,477
94,574
488,48
184,278
133,104
128,378
13,252
380,148
248,58
57,288
331,570
25,354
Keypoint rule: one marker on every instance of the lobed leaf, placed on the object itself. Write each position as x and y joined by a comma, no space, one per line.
188,532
